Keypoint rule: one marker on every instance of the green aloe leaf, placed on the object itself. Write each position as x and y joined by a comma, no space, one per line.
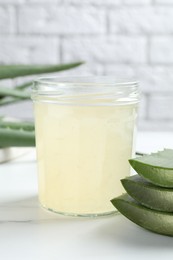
6,100
27,126
155,221
13,71
14,93
10,100
16,138
156,168
148,194
24,85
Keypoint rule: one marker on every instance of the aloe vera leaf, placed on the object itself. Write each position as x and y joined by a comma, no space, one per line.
156,168
24,85
14,93
9,100
13,71
155,221
16,138
148,194
27,126
5,100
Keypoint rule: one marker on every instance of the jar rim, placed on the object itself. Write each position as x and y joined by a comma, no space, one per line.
99,90
85,81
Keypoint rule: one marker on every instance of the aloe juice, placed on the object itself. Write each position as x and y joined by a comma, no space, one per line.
82,154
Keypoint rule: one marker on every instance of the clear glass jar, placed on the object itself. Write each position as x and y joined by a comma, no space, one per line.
84,137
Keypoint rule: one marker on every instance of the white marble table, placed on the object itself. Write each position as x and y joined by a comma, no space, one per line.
28,232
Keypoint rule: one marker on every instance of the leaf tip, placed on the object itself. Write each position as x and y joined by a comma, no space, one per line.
131,161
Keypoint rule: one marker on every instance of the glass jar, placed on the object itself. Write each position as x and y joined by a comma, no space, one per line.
84,137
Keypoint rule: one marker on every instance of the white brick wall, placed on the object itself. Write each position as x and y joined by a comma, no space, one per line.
27,49
130,39
61,20
136,2
95,2
163,2
109,2
105,49
12,1
161,107
153,79
7,20
161,50
147,20
43,1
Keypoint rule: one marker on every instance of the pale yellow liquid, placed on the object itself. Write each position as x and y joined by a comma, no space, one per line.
83,153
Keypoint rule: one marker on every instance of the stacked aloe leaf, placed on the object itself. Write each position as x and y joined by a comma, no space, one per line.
149,198
16,133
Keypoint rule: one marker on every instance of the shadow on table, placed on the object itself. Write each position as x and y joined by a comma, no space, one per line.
121,230
28,209
105,230
23,210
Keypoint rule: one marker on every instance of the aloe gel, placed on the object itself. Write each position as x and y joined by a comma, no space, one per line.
84,139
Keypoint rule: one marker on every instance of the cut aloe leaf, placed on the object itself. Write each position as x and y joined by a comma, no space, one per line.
6,100
10,100
14,93
156,168
24,85
13,71
17,125
155,221
16,138
149,195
